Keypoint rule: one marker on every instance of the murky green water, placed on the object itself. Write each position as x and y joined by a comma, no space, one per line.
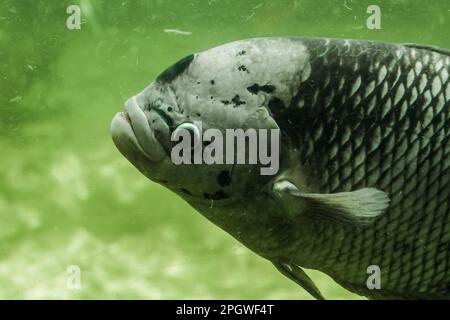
67,197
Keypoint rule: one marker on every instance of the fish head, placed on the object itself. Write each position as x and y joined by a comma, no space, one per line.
144,132
227,87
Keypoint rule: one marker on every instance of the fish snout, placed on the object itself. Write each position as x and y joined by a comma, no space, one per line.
133,126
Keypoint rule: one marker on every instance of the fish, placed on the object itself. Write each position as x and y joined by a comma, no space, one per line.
364,162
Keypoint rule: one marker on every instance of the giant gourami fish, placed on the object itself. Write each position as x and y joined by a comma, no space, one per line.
364,176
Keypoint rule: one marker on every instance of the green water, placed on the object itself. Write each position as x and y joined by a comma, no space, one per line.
67,197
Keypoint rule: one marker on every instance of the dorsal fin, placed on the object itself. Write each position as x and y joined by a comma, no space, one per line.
428,47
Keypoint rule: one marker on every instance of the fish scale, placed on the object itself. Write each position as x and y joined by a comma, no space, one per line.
403,149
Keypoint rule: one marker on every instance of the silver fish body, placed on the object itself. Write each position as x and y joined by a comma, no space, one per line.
358,119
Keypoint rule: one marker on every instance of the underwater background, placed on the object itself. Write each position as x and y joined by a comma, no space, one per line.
69,198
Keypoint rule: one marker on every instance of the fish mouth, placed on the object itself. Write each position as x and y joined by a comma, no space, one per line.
132,127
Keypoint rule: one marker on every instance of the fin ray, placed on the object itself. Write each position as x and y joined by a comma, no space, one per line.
299,276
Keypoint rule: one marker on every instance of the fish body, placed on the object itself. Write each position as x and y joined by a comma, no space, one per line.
364,176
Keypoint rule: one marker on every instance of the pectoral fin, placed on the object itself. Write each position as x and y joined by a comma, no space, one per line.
296,274
358,207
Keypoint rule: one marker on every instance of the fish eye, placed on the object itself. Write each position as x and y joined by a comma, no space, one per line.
160,105
193,130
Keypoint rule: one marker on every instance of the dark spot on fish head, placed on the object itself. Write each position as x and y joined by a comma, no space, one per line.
212,82
243,68
241,53
256,88
224,178
175,70
237,101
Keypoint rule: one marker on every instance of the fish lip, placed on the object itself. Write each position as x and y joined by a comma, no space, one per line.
134,125
121,131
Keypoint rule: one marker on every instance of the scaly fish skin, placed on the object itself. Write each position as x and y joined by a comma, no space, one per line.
364,173
379,115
